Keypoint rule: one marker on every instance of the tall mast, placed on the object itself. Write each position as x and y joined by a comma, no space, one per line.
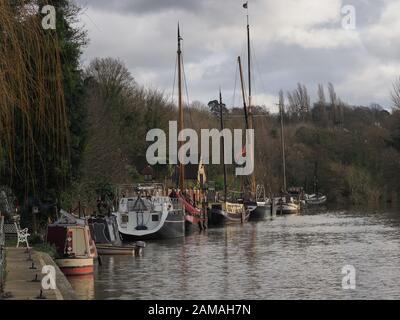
244,101
246,118
223,142
282,141
316,178
250,121
180,106
249,67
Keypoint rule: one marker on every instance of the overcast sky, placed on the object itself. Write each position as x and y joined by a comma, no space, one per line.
293,41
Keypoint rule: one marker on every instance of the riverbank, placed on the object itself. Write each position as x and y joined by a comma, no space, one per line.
23,277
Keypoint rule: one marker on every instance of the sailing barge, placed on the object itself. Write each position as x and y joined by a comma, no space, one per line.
194,220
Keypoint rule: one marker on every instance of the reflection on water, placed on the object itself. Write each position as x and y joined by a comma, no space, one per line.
293,257
83,286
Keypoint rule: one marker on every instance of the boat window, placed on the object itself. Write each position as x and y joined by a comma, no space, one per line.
124,218
140,204
217,206
155,217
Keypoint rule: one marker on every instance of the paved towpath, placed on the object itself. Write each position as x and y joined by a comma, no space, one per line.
24,280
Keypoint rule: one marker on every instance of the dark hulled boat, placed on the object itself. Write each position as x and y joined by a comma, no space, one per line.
104,230
261,210
220,214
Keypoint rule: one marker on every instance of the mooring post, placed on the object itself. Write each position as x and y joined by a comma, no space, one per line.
34,223
203,212
272,207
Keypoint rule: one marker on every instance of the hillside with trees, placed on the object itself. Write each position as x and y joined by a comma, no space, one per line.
355,148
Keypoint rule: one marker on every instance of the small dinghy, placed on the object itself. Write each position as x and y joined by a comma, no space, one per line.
112,249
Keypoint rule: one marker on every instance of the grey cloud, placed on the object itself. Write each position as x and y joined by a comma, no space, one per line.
214,34
141,6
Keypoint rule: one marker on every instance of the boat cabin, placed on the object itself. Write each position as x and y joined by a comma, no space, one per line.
104,230
71,237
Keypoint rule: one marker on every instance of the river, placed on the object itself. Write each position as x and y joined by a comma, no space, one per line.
292,257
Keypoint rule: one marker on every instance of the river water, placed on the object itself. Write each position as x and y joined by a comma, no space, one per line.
292,257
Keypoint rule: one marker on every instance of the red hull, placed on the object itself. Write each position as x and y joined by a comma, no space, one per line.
77,271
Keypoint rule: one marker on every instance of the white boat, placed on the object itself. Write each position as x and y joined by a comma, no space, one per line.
315,199
149,215
286,205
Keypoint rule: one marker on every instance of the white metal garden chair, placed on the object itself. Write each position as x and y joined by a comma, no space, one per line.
22,235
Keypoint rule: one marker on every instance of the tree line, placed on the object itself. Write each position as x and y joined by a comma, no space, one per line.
70,133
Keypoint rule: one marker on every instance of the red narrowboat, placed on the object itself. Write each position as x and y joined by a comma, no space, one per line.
75,247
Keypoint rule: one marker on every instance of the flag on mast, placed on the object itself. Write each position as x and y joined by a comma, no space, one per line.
245,5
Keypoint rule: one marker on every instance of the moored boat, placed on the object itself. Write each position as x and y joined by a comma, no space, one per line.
290,200
220,214
315,199
148,215
76,266
75,247
192,214
108,241
261,210
114,249
287,205
193,217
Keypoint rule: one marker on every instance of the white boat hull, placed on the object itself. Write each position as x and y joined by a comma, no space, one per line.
316,200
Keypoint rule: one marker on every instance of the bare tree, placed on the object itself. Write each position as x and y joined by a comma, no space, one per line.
332,94
396,93
111,75
321,94
299,101
337,106
282,100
